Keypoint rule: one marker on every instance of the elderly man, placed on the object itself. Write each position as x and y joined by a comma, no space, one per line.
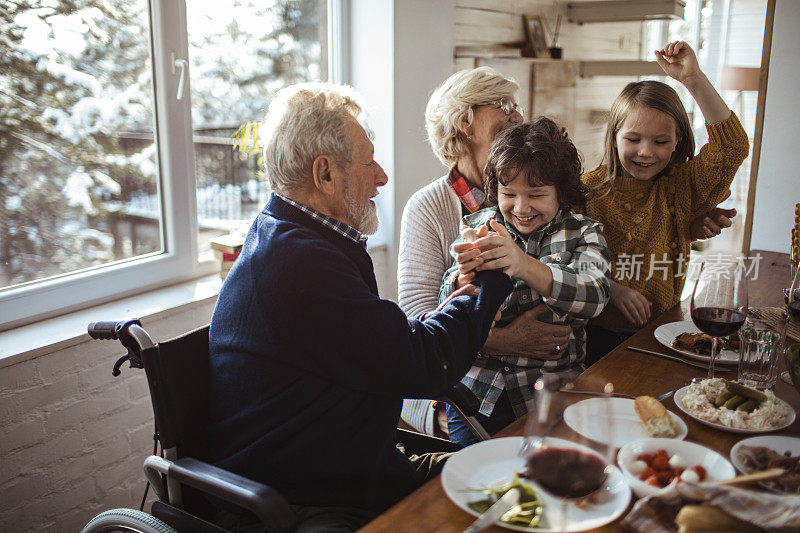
309,365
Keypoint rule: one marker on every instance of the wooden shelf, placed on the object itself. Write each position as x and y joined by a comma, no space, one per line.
585,69
619,68
625,10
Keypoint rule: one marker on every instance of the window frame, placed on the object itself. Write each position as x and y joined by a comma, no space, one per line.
178,261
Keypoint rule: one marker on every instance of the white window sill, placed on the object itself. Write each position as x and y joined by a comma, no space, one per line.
47,336
55,334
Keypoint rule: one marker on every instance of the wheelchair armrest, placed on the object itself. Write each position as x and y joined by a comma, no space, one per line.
263,501
467,404
460,396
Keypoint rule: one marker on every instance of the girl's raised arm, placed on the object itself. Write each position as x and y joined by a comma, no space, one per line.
678,61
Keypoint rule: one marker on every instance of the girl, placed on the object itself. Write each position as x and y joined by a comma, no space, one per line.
555,256
650,186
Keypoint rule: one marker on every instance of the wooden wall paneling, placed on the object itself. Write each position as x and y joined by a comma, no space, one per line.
473,17
553,88
621,40
482,17
467,35
519,7
517,69
554,92
461,63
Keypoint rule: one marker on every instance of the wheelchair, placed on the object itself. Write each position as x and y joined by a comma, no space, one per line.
188,489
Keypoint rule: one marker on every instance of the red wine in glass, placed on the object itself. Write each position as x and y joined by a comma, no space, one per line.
717,321
566,472
719,301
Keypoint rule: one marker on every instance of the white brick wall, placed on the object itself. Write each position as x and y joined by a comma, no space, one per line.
72,436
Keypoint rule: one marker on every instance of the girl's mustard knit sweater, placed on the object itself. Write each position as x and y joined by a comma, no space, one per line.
646,223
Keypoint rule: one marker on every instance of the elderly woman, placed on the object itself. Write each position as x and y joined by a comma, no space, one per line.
462,118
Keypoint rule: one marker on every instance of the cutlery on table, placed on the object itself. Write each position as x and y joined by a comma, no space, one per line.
673,358
493,513
753,477
616,394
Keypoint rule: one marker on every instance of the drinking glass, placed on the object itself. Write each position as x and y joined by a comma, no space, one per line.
793,307
719,301
794,298
760,347
567,471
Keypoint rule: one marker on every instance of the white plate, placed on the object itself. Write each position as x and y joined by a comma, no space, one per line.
717,466
496,460
776,443
593,419
679,402
666,333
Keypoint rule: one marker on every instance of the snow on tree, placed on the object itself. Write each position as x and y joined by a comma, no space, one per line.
76,111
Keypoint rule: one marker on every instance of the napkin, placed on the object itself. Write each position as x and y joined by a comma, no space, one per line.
771,512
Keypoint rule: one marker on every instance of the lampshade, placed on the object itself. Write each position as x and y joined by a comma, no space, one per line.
740,78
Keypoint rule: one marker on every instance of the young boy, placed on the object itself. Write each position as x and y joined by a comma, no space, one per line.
554,255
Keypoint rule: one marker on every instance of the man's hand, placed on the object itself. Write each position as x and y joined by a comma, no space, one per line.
712,223
632,303
467,290
527,336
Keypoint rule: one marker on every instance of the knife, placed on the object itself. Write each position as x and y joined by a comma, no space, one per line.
493,513
717,368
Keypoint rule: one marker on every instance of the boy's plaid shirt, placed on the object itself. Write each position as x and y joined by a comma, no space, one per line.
574,248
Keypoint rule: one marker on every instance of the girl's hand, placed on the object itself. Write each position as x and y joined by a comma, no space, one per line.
500,252
678,61
712,223
633,305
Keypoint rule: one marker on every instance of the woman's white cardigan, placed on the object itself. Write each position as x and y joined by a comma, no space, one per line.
429,226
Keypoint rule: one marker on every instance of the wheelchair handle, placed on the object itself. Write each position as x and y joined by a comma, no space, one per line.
130,333
104,330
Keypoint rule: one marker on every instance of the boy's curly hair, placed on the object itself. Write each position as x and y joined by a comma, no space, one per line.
544,152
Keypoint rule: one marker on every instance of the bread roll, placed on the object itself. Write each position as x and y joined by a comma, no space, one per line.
654,417
696,518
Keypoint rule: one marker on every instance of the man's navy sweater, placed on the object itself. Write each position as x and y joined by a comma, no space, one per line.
309,366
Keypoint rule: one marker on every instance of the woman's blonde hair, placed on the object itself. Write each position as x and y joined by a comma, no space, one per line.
655,95
452,102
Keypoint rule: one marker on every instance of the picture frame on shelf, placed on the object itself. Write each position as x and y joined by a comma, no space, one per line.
537,41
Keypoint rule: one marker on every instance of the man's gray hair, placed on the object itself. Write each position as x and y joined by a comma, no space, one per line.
303,122
452,102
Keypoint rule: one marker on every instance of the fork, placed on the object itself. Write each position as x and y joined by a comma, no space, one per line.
617,394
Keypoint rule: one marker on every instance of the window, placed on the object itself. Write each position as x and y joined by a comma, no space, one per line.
116,126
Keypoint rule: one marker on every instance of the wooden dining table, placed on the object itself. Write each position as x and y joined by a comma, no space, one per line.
429,508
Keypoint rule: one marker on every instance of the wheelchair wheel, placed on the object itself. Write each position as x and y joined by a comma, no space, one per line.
126,520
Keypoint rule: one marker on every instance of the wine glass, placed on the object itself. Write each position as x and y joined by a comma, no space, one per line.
563,471
719,301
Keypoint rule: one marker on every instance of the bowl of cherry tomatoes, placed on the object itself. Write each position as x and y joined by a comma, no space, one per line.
653,465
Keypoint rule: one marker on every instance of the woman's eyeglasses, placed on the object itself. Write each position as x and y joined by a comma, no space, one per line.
506,105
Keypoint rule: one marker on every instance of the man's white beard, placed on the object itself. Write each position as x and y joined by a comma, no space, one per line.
364,215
